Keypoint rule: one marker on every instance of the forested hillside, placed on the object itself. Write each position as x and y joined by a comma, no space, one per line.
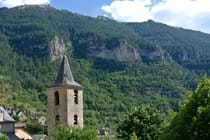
189,48
120,65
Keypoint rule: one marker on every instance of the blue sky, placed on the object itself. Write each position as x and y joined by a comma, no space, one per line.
190,14
86,7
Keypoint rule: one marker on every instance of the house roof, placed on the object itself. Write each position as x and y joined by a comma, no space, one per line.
65,76
22,134
6,116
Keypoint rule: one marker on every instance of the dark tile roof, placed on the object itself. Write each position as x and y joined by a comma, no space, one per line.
65,76
6,116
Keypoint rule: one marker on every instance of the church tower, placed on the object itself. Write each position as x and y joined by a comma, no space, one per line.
65,99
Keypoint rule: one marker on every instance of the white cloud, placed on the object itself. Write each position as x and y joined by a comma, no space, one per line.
13,3
129,10
193,14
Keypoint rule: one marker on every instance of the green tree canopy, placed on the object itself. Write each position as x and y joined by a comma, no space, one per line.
193,121
145,122
3,137
74,133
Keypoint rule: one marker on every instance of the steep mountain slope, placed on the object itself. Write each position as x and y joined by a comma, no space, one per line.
45,22
120,65
189,48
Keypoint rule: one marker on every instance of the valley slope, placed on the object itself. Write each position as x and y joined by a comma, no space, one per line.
120,65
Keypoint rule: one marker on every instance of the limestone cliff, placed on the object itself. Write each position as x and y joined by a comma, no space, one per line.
154,54
122,53
57,48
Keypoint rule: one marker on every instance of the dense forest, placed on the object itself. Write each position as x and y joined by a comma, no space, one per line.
168,61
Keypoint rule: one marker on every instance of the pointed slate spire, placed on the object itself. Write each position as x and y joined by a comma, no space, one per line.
65,76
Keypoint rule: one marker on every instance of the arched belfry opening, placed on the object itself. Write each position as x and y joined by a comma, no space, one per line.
76,97
57,100
57,119
75,119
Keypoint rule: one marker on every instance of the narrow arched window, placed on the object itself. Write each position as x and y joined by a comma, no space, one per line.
56,98
57,119
75,119
75,96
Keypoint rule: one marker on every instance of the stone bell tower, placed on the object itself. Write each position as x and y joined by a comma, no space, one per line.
65,100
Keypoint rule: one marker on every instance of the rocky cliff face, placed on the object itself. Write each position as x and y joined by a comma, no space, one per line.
57,48
154,54
129,54
122,53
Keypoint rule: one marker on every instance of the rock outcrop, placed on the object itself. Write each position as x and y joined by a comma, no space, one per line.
122,53
57,48
154,54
